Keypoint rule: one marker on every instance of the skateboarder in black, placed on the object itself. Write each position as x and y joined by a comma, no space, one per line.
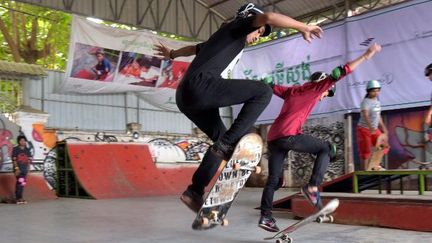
205,88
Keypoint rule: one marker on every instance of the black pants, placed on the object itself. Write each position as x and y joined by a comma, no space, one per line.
19,188
278,149
201,97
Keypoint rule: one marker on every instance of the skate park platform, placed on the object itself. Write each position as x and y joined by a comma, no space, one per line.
356,182
409,212
372,207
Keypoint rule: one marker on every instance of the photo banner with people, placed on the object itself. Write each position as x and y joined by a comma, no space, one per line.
405,33
103,59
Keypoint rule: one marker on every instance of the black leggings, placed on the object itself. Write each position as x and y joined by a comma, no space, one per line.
200,99
19,187
278,149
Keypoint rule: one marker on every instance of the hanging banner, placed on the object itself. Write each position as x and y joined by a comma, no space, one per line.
405,33
111,60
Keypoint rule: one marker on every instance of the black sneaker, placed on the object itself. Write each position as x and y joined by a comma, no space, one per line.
192,200
222,150
268,223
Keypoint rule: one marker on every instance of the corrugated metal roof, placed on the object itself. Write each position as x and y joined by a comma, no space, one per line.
20,69
292,8
198,19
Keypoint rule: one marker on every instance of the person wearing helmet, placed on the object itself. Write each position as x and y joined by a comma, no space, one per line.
428,115
286,134
205,88
370,120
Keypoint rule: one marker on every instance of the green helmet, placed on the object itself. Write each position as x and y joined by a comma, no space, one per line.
373,84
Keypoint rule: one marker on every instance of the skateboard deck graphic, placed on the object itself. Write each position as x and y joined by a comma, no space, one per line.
230,181
321,216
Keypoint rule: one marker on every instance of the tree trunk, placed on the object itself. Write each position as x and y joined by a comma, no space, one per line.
14,47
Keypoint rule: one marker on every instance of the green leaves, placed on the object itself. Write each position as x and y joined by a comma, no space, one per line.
34,35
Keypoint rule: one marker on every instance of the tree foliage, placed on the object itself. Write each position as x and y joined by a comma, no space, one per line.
34,35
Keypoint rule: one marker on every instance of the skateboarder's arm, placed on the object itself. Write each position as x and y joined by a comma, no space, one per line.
308,32
282,91
369,53
168,53
428,116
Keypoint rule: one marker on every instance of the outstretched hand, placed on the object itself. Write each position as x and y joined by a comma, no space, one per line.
311,32
162,50
372,50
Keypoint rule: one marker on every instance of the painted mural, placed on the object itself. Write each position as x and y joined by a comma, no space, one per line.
8,133
408,139
40,141
178,150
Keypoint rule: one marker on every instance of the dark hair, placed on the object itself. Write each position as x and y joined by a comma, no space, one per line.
428,70
21,137
368,91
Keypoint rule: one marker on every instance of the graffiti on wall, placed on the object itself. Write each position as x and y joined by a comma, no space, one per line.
42,141
178,150
167,149
8,133
300,164
408,139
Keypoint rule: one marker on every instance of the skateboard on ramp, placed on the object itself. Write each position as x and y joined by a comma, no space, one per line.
321,216
230,180
378,153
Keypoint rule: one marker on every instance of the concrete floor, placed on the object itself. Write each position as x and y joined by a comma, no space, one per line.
165,219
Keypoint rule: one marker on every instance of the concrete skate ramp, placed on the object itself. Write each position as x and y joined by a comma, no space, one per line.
116,170
35,190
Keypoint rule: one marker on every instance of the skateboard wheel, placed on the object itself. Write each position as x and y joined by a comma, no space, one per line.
236,166
225,222
331,219
284,239
204,221
257,169
320,219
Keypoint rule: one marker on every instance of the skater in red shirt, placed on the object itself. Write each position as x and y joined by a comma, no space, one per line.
286,134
